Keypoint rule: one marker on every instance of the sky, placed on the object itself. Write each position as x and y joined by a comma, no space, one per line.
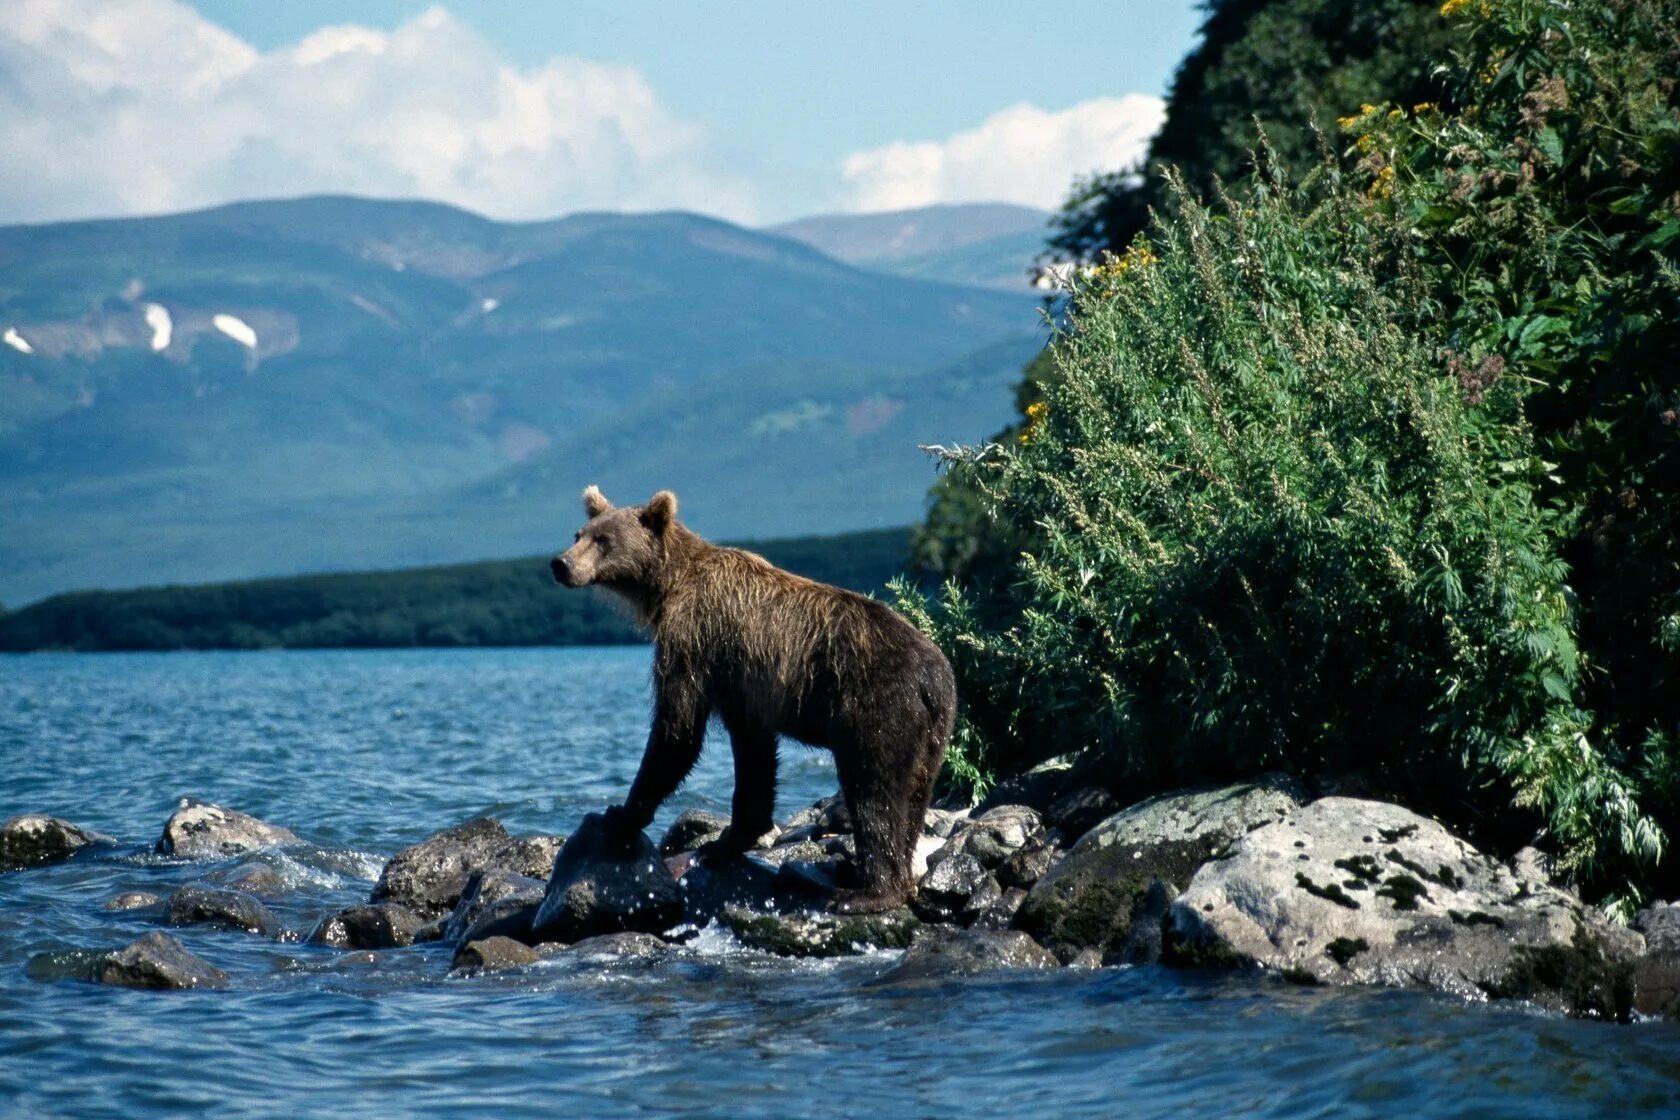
752,110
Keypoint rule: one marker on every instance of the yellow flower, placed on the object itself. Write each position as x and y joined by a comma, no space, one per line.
1383,185
1452,6
1036,412
1424,107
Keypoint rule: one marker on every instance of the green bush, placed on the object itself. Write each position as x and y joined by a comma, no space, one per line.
1274,532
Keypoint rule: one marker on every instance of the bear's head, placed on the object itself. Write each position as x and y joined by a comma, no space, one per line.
620,547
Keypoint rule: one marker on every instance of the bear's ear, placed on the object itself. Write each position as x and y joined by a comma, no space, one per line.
594,502
660,511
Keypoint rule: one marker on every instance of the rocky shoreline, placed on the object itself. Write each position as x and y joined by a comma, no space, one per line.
1046,874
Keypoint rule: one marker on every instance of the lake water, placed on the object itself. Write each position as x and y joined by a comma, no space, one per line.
361,753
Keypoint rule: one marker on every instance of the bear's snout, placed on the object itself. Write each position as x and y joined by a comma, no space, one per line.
562,569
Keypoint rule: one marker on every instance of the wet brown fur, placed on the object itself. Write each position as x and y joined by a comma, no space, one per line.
773,654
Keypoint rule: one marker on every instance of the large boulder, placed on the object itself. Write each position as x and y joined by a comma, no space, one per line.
938,951
200,830
1345,891
594,888
430,877
1091,898
1661,926
196,904
157,961
818,933
32,840
384,925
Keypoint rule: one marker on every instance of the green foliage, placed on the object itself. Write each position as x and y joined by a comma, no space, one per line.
501,603
1273,532
1284,62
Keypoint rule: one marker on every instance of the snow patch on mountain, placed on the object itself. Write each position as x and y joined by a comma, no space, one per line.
16,341
163,327
235,328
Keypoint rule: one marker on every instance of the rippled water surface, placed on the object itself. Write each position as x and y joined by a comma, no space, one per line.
363,752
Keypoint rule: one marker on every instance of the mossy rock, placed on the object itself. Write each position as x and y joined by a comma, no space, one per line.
818,934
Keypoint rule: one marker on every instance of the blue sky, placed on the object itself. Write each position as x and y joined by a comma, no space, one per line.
759,111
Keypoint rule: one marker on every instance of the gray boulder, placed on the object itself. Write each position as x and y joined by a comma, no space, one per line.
1661,926
1656,984
484,890
385,925
430,877
200,830
530,856
32,840
993,836
692,828
595,889
820,934
944,892
493,954
1345,891
157,961
195,904
938,951
1091,898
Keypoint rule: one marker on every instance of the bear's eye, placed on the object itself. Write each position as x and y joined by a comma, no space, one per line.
603,544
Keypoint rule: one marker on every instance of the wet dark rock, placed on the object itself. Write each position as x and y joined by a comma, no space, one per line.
431,931
1144,940
938,951
200,830
530,856
829,816
1656,984
739,882
1075,814
692,828
1038,788
944,891
484,890
1345,891
820,934
1090,898
811,851
134,900
993,836
157,961
195,904
258,879
1661,926
385,925
1001,913
807,883
429,877
609,947
32,840
509,917
493,954
1028,865
595,889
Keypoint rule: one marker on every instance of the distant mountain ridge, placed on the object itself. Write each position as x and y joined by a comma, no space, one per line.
988,244
329,383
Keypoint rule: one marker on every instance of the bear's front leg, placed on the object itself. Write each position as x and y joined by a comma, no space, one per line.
752,812
679,729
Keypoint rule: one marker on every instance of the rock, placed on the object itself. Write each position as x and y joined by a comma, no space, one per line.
993,836
1088,899
808,883
594,889
944,891
1656,984
820,934
32,840
610,947
134,900
429,877
493,954
829,816
740,882
1038,788
940,823
433,930
195,904
157,961
259,879
484,890
1076,813
385,925
1531,865
1345,891
1144,941
938,951
530,856
200,830
1661,926
1000,914
692,828
1028,865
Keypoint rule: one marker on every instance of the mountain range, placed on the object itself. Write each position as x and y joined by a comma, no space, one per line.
990,244
330,383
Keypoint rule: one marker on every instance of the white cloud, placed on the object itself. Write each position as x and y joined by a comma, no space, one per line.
1023,154
112,107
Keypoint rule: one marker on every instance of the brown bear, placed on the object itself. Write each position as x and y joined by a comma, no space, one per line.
772,654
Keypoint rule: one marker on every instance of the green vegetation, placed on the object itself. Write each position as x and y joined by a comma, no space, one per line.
1372,467
503,603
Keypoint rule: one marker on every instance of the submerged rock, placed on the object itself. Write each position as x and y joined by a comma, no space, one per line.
32,840
609,947
195,904
157,961
385,925
134,900
1345,891
820,934
938,951
1091,898
595,889
258,878
493,954
200,830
